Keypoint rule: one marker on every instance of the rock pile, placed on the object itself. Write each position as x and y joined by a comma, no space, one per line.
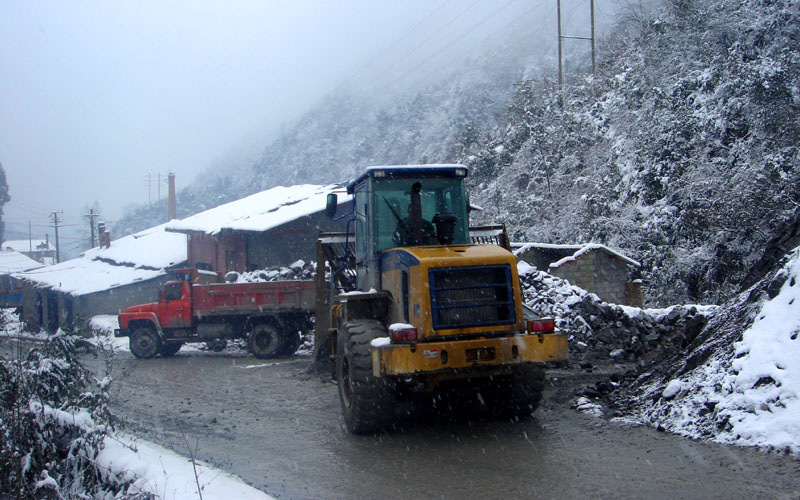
600,332
298,270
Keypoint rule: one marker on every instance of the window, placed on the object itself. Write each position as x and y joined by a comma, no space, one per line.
173,291
392,197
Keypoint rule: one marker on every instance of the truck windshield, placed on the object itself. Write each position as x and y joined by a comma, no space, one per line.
391,201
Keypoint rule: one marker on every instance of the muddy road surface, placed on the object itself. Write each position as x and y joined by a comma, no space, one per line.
278,426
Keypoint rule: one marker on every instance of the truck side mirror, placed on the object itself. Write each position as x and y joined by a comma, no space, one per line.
330,207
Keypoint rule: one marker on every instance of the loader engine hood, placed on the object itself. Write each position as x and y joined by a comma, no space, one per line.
454,290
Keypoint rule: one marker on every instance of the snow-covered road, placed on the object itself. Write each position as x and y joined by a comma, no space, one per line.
279,428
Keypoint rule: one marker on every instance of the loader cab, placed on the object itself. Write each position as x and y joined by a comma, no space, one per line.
397,207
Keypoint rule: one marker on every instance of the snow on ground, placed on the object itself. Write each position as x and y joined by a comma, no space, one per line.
103,327
153,469
750,394
169,475
11,326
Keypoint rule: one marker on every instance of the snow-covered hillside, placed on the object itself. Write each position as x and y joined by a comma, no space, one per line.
740,381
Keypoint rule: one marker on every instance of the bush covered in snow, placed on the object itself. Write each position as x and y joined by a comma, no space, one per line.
53,420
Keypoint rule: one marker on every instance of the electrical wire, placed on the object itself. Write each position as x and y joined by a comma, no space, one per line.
391,46
423,42
395,81
445,67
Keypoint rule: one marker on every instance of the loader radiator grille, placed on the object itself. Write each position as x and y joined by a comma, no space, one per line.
471,296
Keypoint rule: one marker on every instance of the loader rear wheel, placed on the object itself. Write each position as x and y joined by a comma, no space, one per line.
145,343
367,401
264,341
518,395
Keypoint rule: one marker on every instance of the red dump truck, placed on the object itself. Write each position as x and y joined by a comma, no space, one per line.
271,316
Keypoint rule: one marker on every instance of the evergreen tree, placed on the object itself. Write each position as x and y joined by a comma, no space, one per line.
4,198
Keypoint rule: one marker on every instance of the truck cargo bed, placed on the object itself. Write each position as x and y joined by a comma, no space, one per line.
242,298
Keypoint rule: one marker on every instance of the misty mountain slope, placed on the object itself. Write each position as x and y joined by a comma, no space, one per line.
683,151
348,131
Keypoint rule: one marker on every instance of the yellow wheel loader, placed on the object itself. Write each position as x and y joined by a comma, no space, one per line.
416,298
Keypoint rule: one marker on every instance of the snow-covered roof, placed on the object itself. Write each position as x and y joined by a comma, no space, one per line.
260,211
577,251
12,262
138,257
26,245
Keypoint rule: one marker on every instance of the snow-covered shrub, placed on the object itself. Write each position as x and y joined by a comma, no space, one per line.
51,425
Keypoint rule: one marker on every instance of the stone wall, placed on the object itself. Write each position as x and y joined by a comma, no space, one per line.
597,272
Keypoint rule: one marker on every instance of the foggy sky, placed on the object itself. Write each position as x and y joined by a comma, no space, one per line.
94,95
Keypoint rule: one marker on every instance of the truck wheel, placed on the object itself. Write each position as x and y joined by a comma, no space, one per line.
290,343
264,341
145,343
518,395
170,349
367,401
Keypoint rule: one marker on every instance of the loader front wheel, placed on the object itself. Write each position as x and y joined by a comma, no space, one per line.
145,343
264,341
518,395
367,401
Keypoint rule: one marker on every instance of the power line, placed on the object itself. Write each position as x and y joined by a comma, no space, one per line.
443,68
390,47
473,28
423,42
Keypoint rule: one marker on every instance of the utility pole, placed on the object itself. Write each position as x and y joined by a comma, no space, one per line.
92,216
591,9
149,183
560,41
172,211
54,217
30,239
562,37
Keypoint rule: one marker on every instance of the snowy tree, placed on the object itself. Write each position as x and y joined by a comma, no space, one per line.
4,198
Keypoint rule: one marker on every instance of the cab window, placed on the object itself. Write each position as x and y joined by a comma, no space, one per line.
391,199
173,291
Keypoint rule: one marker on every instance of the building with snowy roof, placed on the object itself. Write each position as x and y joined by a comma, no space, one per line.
103,280
274,227
39,250
10,288
593,267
